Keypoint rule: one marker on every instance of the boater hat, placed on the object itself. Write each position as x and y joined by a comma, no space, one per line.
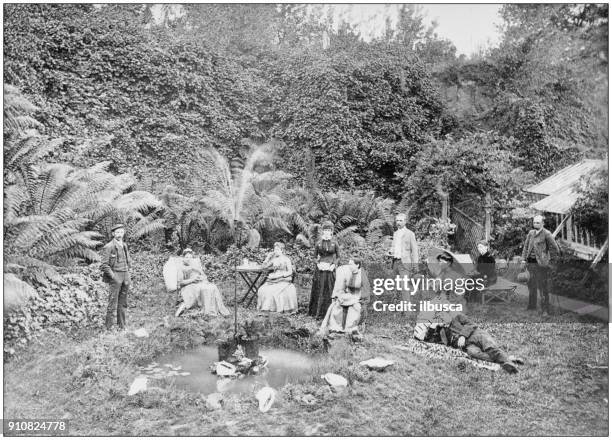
437,254
117,226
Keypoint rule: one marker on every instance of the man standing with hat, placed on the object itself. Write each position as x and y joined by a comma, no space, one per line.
539,250
116,264
404,251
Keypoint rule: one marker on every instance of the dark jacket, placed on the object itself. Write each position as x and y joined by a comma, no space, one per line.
110,251
485,265
461,325
328,250
543,245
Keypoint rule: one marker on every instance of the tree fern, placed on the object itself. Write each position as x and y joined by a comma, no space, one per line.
58,211
17,110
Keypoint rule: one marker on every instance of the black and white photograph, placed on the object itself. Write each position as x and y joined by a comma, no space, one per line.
305,219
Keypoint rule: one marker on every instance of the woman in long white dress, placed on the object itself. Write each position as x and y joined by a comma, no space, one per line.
197,290
278,293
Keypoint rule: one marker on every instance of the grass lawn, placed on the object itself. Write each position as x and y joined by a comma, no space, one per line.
85,377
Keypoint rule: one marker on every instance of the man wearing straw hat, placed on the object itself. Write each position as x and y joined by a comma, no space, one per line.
116,265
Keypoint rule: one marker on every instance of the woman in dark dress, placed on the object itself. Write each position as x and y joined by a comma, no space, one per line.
485,265
327,255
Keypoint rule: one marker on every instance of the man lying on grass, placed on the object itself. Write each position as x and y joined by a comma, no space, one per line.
464,334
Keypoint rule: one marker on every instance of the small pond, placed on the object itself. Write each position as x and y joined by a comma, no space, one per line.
190,370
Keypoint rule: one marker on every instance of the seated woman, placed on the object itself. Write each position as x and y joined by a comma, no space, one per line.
351,288
278,293
485,265
196,290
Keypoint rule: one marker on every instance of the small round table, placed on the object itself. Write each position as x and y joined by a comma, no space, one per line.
254,277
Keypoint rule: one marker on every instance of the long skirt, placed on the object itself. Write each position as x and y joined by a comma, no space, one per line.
205,295
321,292
277,296
344,319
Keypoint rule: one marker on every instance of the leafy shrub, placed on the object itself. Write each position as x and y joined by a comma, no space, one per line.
72,299
146,273
567,279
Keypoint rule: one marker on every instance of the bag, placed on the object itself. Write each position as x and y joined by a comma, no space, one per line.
523,277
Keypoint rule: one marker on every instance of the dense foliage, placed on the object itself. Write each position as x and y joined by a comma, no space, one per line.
354,119
592,207
545,85
75,299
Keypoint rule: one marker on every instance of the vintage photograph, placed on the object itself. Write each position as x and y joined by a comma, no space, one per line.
283,219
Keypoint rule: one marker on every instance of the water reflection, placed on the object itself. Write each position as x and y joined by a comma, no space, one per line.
191,370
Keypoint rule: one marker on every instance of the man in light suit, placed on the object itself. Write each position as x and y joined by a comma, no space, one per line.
116,265
404,251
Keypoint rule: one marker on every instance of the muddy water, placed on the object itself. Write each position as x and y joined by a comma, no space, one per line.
284,366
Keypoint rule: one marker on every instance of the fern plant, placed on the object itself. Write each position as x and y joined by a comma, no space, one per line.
58,212
246,197
190,221
17,112
23,144
355,215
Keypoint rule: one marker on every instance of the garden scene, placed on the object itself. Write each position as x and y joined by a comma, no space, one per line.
253,171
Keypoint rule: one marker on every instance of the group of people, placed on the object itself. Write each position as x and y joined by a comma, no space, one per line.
339,293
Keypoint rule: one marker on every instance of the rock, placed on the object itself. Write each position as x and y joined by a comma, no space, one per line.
139,385
214,401
265,397
377,364
335,380
141,333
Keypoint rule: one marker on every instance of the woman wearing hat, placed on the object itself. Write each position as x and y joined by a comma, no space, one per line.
327,255
196,290
485,265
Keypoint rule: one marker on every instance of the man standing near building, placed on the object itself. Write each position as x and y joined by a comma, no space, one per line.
540,247
116,264
404,251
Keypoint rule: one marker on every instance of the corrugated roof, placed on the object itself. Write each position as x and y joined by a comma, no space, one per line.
559,202
565,178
